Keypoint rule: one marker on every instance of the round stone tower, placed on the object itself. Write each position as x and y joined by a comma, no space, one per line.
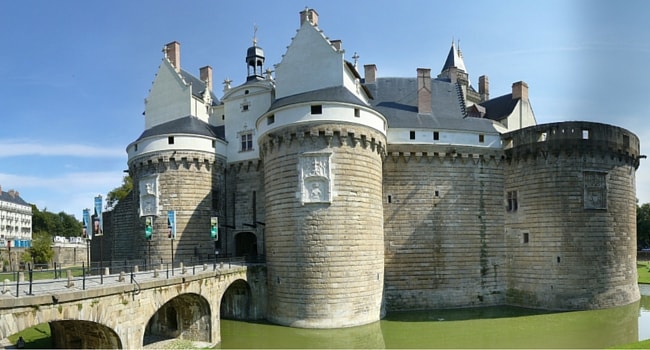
324,217
174,166
570,216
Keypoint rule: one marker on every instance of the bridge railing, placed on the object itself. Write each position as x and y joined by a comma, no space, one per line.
36,280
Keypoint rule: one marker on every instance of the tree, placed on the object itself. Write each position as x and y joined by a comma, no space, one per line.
41,250
643,226
119,193
60,224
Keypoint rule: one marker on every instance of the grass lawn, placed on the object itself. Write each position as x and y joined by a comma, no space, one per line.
37,337
42,275
643,267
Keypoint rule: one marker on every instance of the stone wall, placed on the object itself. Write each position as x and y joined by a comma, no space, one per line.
70,254
443,227
244,206
572,238
324,225
187,183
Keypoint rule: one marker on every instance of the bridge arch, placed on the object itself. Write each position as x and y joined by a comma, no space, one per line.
186,316
236,301
80,334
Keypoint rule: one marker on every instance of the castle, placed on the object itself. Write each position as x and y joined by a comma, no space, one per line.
371,194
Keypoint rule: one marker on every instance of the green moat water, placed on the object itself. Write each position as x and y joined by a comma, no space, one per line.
493,327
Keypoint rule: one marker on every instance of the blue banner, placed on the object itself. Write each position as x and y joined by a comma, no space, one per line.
171,224
98,224
87,234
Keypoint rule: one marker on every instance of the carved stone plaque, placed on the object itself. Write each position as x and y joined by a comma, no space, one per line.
315,178
148,187
595,190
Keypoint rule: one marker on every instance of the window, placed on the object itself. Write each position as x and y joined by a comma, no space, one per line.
317,109
270,119
525,237
214,144
135,147
357,112
436,136
170,140
412,135
244,108
389,198
246,142
481,138
585,134
512,201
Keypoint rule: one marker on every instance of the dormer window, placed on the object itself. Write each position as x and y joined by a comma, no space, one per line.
317,109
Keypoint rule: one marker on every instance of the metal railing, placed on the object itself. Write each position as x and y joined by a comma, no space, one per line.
37,280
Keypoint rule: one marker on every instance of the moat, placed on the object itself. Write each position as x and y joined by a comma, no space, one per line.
499,327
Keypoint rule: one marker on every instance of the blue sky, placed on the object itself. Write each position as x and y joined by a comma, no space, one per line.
74,74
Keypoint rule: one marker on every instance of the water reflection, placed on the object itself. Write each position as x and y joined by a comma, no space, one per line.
494,327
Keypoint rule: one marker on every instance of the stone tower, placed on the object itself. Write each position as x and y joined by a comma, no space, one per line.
322,152
177,164
570,225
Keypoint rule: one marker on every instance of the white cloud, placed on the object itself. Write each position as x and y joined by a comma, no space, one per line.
69,192
18,148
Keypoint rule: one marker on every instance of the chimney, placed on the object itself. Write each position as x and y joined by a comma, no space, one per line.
337,44
309,15
484,87
370,73
12,193
424,91
173,54
520,90
205,73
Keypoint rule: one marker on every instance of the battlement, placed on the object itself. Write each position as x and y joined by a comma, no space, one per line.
174,159
572,137
332,134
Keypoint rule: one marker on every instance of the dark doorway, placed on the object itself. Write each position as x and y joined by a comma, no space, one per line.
246,244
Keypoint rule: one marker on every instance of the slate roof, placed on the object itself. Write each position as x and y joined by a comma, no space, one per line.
500,107
186,125
454,59
397,100
6,197
331,94
198,87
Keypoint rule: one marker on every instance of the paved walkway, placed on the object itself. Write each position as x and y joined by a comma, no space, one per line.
72,284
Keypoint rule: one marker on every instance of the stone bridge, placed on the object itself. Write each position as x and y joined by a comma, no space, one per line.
129,313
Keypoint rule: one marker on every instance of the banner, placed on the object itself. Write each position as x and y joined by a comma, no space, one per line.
87,234
98,224
171,224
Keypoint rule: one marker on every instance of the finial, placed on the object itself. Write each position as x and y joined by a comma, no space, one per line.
355,57
255,35
226,84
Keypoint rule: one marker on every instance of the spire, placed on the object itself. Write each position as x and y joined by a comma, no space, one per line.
255,58
454,59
